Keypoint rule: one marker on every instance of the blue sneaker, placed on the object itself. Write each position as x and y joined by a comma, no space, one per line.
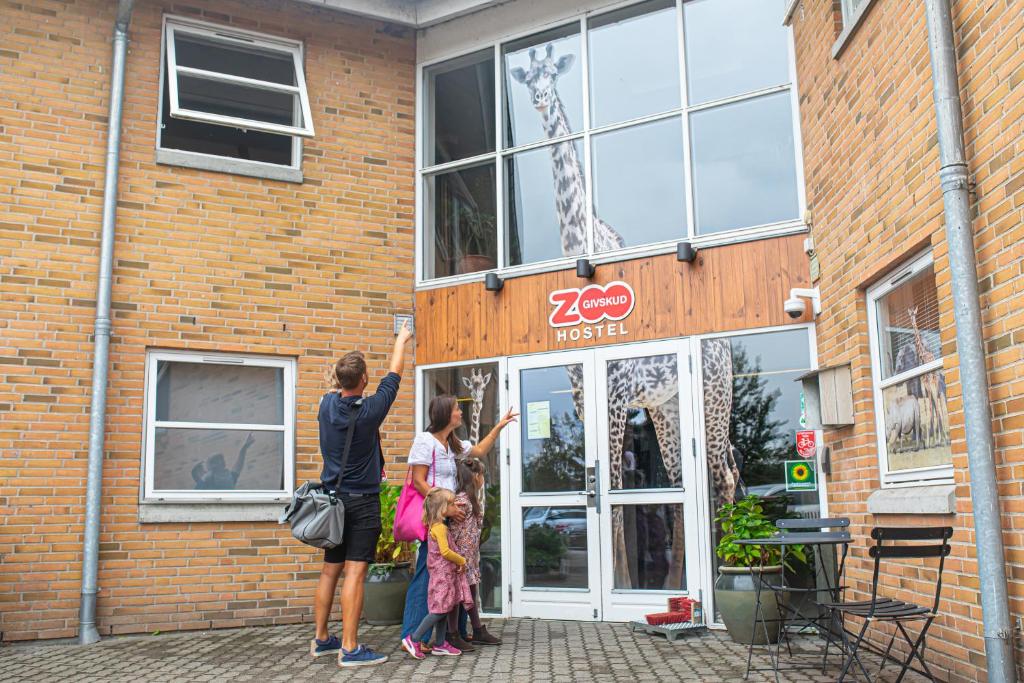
319,648
361,656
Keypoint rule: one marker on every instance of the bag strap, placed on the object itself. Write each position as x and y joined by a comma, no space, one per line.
433,466
348,445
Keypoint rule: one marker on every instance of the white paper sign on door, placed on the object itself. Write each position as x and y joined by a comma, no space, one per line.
538,420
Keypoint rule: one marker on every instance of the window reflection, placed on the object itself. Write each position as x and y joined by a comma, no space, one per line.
461,221
553,448
555,547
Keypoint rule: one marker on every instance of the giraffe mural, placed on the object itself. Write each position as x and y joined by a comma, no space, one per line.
932,388
476,383
649,383
716,356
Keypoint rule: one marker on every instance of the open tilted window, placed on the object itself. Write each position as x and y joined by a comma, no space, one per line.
236,79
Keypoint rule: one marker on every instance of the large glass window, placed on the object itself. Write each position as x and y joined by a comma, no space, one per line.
607,141
476,389
218,428
910,387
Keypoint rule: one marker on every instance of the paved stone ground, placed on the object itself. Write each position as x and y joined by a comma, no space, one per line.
553,651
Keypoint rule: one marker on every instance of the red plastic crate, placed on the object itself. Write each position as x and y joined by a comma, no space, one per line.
662,618
682,605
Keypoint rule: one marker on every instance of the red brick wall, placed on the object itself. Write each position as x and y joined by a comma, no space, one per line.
203,261
871,164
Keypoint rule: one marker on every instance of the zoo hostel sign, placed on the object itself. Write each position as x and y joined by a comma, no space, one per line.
591,312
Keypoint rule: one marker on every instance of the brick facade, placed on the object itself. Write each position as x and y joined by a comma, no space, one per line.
204,261
871,162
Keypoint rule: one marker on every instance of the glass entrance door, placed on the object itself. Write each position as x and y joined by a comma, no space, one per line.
554,515
603,516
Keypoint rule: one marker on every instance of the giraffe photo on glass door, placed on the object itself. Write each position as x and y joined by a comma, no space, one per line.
476,383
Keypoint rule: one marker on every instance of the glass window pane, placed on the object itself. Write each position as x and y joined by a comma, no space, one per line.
476,388
543,86
643,423
200,52
917,423
209,392
554,450
218,460
744,164
639,192
634,63
223,141
459,108
546,203
734,47
239,101
654,558
555,547
908,325
461,231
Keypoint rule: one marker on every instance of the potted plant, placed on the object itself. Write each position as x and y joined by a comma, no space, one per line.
388,576
481,242
735,588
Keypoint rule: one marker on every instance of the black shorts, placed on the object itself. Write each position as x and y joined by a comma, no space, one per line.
362,529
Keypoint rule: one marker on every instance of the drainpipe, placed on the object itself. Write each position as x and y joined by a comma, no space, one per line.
87,632
995,612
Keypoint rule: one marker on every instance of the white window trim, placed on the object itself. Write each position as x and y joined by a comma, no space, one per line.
174,25
212,162
941,474
498,156
851,22
151,496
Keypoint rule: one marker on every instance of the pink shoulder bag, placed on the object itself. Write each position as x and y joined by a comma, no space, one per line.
409,524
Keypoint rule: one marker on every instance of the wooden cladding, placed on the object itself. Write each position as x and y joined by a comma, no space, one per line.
734,287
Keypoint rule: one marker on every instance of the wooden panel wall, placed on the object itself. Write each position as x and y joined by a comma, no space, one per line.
726,288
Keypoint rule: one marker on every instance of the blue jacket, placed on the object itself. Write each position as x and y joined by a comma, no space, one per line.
365,460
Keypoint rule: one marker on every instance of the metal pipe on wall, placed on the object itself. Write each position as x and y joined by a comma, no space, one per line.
87,632
995,611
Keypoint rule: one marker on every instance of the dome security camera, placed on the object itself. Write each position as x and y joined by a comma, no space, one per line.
794,307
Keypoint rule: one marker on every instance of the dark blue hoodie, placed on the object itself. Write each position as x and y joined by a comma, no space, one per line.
365,460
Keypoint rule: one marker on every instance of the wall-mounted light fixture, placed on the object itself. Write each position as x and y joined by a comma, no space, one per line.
685,252
584,268
493,283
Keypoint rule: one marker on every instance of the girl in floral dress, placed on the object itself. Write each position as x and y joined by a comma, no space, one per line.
447,568
465,536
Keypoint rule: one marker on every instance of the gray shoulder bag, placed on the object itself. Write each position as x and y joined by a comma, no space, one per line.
316,512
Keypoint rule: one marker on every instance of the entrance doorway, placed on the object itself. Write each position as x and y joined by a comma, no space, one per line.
605,521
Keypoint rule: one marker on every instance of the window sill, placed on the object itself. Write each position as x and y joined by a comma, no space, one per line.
157,513
848,31
935,499
206,162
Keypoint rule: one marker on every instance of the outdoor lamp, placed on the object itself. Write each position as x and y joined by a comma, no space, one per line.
493,283
685,252
584,268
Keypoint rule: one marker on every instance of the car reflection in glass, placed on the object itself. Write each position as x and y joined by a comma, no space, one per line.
569,522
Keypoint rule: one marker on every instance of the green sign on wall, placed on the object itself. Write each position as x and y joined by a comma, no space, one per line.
800,476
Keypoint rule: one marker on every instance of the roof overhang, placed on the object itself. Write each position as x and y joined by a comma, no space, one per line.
412,13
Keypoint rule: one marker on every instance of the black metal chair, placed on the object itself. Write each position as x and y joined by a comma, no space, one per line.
898,612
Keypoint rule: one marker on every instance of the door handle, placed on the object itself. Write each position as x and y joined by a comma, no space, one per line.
594,488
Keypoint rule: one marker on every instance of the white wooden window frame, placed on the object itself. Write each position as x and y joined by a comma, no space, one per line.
243,39
503,152
938,474
287,365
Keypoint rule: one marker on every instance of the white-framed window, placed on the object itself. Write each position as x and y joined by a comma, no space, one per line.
218,428
911,415
231,100
849,9
616,133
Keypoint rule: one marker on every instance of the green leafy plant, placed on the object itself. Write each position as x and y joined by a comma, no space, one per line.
389,551
545,548
746,519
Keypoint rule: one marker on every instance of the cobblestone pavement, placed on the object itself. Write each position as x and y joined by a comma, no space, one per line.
555,651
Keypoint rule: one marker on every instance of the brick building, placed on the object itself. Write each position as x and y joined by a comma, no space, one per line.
552,187
871,163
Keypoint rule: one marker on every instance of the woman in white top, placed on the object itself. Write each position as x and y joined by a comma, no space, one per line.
432,462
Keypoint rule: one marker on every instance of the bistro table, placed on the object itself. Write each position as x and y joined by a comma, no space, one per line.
789,615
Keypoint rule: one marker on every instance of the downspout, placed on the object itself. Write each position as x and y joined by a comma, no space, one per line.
87,632
995,612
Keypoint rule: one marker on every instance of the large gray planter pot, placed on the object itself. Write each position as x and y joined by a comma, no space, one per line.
736,601
384,595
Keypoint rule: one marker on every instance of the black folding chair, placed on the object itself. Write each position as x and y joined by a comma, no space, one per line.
898,612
